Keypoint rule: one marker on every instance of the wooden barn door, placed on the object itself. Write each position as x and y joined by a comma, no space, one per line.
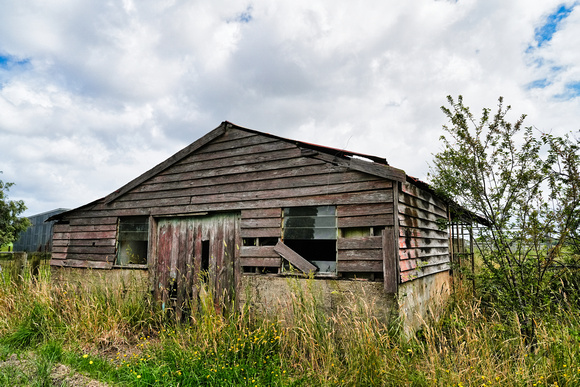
196,254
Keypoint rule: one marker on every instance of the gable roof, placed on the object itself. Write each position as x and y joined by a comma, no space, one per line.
369,164
378,166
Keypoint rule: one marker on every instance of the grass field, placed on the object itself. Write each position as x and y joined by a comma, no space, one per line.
116,337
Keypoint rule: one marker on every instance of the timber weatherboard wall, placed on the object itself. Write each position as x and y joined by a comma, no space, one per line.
244,172
423,246
387,223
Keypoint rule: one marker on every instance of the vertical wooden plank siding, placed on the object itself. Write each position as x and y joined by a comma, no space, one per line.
237,264
179,272
152,252
390,261
423,247
391,248
162,270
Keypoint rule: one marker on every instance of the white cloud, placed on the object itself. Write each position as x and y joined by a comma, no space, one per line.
112,88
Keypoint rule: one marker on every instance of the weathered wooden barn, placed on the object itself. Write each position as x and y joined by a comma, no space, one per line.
239,203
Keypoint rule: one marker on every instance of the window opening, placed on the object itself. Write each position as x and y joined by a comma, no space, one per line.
249,241
312,233
356,232
205,256
377,230
268,241
132,240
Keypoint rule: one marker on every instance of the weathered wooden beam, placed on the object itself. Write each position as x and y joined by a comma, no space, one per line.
232,165
360,255
422,253
363,209
81,264
391,249
381,170
365,221
371,168
258,252
406,221
93,220
413,190
85,235
371,242
359,266
261,232
424,272
410,232
390,258
262,213
250,185
261,222
83,242
423,262
254,145
261,262
294,258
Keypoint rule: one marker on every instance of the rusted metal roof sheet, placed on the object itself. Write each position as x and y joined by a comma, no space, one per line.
316,147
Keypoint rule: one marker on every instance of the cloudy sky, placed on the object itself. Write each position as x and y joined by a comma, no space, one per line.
94,93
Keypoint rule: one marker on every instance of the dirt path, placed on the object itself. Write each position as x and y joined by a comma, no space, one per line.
24,371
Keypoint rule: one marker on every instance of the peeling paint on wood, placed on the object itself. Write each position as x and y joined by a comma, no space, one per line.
183,244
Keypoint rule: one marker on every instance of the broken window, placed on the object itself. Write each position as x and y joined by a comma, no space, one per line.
132,240
360,232
262,241
311,232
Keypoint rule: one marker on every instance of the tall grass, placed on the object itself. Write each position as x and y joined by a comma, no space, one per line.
117,336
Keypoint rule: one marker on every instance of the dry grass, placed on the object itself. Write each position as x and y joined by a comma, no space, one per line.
117,337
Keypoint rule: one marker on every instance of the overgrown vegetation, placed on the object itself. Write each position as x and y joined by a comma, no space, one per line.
115,337
527,185
10,224
524,330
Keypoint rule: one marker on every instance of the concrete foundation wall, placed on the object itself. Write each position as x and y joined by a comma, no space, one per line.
90,279
277,295
423,299
417,301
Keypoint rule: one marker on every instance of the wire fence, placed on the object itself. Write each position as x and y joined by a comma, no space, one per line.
18,266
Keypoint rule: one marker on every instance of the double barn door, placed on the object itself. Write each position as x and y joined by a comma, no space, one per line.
196,261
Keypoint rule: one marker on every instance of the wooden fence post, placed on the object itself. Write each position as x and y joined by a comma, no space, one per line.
18,263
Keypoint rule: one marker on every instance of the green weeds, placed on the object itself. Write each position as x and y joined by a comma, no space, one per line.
114,336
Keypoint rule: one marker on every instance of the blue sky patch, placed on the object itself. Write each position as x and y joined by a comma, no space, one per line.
546,32
573,89
538,84
243,17
8,62
548,66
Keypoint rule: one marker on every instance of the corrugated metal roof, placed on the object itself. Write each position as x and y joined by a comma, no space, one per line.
320,148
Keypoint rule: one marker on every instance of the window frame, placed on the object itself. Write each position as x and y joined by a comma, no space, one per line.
322,234
138,220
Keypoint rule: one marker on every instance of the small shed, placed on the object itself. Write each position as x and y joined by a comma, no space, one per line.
239,205
37,237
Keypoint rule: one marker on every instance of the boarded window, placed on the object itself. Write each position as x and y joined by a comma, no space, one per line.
132,240
312,232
